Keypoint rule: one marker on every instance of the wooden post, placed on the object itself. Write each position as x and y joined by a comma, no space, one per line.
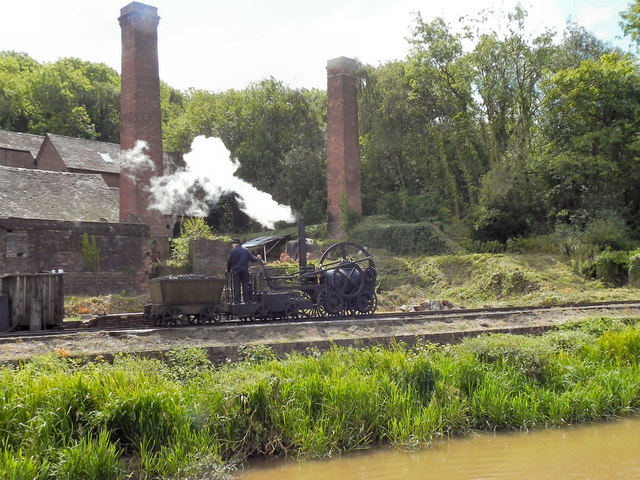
35,318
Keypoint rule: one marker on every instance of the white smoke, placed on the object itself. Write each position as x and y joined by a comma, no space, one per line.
208,173
136,159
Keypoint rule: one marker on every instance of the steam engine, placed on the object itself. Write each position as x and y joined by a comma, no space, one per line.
342,283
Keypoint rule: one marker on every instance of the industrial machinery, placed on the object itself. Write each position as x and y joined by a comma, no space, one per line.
341,283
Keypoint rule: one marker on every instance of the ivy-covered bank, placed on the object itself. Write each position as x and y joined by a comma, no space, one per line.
184,418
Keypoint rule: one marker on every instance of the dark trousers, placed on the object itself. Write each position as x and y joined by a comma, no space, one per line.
241,280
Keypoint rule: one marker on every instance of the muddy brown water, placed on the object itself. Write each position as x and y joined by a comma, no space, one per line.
602,451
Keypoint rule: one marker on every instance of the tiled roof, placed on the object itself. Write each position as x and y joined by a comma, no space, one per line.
21,141
83,154
46,195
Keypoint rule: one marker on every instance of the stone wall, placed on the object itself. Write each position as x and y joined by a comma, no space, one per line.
97,258
209,257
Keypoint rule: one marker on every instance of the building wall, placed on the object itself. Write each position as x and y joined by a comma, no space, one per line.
33,246
209,257
49,159
16,158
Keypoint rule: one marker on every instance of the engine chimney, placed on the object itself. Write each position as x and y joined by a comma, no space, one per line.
344,194
140,117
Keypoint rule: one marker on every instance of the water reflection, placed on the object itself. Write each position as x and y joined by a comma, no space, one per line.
607,451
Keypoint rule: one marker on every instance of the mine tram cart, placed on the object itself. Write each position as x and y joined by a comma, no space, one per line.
184,299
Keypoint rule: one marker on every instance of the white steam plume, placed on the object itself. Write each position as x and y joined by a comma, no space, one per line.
208,173
136,159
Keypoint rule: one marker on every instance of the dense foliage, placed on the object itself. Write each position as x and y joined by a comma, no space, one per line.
505,132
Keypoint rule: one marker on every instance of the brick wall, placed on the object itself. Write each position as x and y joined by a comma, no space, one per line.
33,246
16,158
49,158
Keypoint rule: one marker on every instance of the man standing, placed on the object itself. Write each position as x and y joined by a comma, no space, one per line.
238,265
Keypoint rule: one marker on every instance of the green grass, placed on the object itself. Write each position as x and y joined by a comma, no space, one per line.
147,418
478,280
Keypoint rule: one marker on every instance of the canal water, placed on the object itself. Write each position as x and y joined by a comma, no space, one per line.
602,451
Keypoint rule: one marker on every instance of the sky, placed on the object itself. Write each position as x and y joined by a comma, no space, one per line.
217,45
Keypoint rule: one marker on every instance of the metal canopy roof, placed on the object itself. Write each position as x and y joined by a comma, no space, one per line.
260,241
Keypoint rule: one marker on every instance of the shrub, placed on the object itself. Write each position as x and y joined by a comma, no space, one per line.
190,228
612,268
634,270
408,239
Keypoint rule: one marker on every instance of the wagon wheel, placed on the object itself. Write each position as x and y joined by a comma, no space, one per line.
263,312
173,316
209,314
366,303
292,310
330,302
351,309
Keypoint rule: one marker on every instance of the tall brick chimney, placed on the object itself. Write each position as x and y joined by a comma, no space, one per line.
140,117
343,162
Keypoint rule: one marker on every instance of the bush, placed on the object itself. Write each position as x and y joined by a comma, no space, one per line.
634,270
190,228
97,459
608,232
612,268
416,238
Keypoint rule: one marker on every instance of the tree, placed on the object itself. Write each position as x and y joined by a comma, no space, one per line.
449,154
276,134
630,22
14,103
591,140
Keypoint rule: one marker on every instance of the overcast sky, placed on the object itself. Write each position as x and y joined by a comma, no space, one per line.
221,44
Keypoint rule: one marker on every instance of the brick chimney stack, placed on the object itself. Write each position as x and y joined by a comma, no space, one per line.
140,117
343,162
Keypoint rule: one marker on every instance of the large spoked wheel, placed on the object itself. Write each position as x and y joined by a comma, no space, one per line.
293,310
346,252
264,313
347,266
173,317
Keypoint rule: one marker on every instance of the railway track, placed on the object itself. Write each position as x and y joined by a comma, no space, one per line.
136,321
223,342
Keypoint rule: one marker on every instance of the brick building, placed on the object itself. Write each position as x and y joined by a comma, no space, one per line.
78,155
19,149
55,189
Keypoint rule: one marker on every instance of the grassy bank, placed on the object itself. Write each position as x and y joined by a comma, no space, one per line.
492,280
183,418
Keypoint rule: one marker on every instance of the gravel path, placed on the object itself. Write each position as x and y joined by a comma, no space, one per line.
345,331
